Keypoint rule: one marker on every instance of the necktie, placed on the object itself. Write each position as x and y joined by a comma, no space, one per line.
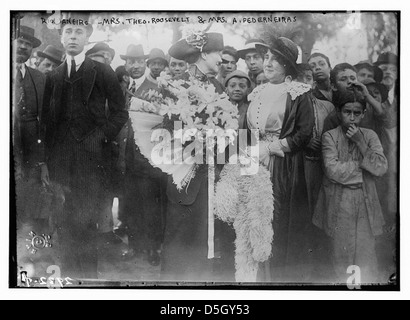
19,74
133,87
73,69
19,88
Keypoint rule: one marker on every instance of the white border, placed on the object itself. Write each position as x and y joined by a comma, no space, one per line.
211,5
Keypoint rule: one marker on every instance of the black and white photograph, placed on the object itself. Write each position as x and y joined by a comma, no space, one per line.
205,149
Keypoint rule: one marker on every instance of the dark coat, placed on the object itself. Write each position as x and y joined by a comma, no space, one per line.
292,219
185,250
101,94
27,149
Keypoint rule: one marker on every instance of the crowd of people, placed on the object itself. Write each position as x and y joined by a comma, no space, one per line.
328,137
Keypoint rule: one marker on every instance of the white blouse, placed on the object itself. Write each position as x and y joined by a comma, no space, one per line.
267,108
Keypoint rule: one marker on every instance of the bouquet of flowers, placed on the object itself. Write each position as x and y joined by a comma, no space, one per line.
185,116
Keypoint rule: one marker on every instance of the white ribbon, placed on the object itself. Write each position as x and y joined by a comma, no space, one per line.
211,225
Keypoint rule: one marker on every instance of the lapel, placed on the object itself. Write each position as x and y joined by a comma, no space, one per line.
38,81
290,118
60,72
89,77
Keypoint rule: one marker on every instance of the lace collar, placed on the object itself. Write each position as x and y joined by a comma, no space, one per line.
295,89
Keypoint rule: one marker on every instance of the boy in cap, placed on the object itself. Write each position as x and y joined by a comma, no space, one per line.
238,86
156,63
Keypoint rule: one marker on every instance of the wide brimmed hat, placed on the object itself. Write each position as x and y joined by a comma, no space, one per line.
101,46
250,45
237,74
27,33
195,44
52,53
380,86
134,52
285,48
157,54
387,58
378,73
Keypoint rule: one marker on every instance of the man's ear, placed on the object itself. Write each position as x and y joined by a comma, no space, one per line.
333,87
204,55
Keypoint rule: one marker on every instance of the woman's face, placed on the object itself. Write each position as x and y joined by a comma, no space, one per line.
212,62
273,70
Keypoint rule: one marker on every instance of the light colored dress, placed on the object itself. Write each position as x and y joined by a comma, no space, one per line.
284,115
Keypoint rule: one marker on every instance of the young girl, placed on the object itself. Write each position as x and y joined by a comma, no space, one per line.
348,208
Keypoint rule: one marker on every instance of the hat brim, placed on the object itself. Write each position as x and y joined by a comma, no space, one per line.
41,54
182,50
379,63
293,64
34,41
228,78
382,88
125,57
162,59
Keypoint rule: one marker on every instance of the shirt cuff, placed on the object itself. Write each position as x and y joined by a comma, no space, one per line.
285,145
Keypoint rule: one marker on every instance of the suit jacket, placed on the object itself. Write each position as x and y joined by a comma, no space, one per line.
33,151
101,96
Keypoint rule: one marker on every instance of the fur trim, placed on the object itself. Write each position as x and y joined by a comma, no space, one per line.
247,203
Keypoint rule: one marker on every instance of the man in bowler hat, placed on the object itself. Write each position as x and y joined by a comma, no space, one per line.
78,129
102,51
49,59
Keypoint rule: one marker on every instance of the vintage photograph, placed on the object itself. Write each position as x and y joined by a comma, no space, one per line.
204,149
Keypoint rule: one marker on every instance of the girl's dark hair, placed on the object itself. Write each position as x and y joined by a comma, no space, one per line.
341,98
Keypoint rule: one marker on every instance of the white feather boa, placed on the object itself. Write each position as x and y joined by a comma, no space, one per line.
247,203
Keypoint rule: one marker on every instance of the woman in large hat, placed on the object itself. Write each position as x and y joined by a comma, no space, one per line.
204,54
282,111
186,255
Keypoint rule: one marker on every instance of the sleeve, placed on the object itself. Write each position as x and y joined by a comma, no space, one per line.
118,115
304,123
345,173
374,161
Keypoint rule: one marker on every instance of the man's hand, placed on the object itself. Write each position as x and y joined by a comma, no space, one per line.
315,144
362,89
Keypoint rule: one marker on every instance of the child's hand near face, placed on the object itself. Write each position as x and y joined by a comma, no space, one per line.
354,134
